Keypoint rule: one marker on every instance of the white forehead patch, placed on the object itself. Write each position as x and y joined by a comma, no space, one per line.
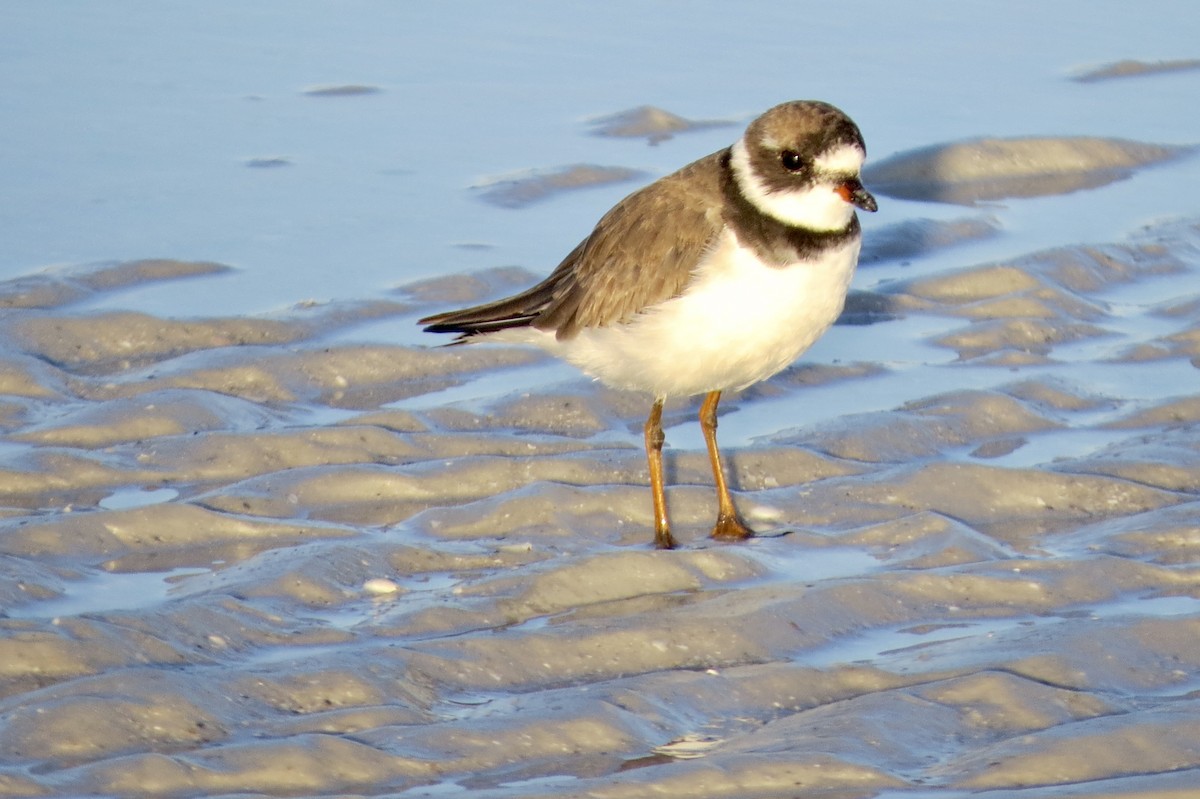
846,159
818,207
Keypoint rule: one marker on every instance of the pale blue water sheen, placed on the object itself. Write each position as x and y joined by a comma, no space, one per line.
128,125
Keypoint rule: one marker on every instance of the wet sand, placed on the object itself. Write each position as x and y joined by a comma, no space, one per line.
255,556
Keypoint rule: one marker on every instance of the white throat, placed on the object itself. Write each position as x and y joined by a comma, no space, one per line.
818,207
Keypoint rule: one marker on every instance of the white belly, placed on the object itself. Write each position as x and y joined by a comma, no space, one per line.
739,322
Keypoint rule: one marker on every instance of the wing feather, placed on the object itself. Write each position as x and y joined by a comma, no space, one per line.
641,253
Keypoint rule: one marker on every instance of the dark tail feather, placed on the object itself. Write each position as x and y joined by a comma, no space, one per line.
521,310
526,309
499,315
467,326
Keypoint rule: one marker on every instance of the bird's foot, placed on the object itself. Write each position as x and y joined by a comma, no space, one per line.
663,539
730,527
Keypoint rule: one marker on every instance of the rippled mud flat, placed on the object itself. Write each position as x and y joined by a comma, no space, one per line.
254,557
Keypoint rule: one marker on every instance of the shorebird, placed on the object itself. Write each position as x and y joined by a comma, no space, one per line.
710,279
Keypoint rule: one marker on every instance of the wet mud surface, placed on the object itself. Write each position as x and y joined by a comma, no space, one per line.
254,556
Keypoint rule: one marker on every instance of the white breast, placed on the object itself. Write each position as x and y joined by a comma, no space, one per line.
739,322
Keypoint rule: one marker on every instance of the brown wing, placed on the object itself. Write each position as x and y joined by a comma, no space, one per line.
640,254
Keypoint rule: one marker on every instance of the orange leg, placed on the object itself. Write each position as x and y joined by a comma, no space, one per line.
654,445
729,525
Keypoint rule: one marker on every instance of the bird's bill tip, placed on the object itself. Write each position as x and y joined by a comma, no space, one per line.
853,192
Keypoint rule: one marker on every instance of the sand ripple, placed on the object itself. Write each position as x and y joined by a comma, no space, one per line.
992,169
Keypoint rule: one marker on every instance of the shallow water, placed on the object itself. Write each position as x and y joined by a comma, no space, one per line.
253,545
104,592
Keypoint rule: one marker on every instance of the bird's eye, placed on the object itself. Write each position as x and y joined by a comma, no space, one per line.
791,161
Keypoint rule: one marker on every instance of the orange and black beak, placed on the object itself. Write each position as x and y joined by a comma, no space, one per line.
853,192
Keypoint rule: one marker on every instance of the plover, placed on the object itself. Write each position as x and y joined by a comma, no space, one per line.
710,279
